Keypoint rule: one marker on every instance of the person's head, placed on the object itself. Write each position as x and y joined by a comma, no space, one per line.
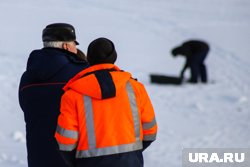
60,35
101,50
176,51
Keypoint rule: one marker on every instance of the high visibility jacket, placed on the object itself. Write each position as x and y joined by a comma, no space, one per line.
104,112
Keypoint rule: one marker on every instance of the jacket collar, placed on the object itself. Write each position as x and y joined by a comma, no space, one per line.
90,70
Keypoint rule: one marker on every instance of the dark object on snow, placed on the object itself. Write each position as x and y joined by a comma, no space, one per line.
195,52
40,91
163,79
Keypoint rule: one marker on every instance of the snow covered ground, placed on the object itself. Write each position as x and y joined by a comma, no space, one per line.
215,115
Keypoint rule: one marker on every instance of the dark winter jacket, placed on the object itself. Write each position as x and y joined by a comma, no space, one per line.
191,48
40,91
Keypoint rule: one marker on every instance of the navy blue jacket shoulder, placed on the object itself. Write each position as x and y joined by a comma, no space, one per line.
40,91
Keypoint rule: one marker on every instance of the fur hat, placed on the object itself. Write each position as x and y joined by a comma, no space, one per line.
101,50
59,32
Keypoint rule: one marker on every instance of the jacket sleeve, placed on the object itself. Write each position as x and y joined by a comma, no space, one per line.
67,129
149,125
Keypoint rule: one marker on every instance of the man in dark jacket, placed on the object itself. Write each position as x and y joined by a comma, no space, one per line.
48,70
195,52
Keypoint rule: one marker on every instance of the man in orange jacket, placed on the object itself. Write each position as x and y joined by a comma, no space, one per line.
106,118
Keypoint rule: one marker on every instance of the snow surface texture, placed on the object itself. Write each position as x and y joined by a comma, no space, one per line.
144,31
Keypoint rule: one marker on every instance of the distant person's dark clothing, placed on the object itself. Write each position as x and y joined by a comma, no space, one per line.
40,91
195,52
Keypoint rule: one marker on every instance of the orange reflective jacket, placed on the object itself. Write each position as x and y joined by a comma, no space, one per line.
104,111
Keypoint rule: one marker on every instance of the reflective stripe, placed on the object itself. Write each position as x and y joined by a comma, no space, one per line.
67,147
92,150
109,150
134,109
150,137
149,125
89,122
67,133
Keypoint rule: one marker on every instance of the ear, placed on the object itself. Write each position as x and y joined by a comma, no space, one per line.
64,46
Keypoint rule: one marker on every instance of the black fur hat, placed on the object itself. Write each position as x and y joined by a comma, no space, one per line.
59,32
101,50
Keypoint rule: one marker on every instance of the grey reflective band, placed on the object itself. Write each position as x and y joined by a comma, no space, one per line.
134,109
149,125
93,151
109,150
67,147
150,137
67,133
89,122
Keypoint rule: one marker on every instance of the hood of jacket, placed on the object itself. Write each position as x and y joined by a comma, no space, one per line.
44,63
100,81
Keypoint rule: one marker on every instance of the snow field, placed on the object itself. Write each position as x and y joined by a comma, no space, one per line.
205,116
